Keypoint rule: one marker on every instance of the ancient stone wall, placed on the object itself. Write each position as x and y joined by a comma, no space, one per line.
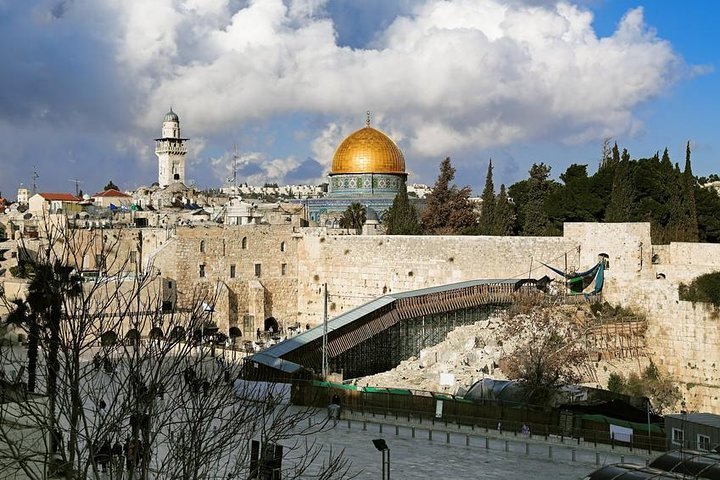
221,261
360,268
683,340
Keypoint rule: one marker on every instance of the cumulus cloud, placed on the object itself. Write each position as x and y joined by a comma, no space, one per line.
452,74
444,76
253,168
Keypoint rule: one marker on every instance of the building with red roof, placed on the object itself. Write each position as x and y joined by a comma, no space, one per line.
112,197
53,202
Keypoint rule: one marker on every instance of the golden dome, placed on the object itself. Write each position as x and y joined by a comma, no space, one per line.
368,151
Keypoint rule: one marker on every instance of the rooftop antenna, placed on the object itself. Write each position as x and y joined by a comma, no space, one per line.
77,185
34,177
233,178
235,159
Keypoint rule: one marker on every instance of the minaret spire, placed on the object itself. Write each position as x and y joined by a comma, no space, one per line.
367,118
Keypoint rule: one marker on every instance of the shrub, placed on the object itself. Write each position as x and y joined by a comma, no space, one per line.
616,382
705,288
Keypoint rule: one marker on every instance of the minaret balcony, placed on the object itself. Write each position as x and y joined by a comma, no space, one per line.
165,146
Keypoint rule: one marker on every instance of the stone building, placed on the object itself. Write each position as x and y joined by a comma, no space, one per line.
53,203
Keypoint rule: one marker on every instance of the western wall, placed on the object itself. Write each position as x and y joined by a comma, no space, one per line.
683,339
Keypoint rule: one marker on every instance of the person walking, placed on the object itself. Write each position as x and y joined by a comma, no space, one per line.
116,455
104,454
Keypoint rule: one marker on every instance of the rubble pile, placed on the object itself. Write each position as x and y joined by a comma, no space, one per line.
473,352
469,352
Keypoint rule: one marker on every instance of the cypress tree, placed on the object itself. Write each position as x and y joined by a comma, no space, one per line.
615,154
535,217
401,218
670,222
486,223
688,183
504,215
622,195
448,210
605,152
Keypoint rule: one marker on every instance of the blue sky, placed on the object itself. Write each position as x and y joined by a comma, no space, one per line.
85,83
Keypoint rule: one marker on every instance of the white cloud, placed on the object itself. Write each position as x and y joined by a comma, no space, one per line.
253,168
454,74
140,149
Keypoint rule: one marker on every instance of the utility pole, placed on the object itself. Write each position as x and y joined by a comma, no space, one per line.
233,179
235,159
325,332
77,185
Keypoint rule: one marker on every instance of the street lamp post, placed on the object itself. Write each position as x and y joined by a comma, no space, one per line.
383,447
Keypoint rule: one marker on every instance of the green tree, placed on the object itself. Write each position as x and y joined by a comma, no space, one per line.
616,382
401,218
651,202
548,352
605,154
707,203
674,222
576,200
110,186
622,193
448,210
486,222
688,197
615,154
354,217
535,217
519,193
651,383
505,216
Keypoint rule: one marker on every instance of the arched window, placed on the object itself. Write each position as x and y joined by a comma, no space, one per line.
202,246
282,246
244,243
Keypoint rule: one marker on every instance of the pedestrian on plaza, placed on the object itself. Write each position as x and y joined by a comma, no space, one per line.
129,453
499,427
116,455
161,391
307,326
104,455
189,375
335,407
257,334
108,366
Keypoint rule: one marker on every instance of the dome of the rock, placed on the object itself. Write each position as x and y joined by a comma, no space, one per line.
368,151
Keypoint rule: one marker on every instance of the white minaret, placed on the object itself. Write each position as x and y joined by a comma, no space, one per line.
171,150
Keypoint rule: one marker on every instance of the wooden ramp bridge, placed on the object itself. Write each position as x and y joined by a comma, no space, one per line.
377,336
